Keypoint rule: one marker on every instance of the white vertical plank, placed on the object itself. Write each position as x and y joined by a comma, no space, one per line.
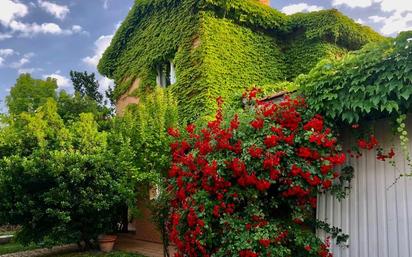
376,215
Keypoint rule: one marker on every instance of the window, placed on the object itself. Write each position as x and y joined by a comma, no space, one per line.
166,74
154,192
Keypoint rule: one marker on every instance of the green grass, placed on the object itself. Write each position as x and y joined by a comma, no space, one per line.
14,247
2,233
94,254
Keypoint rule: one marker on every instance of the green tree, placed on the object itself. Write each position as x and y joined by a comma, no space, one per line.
63,182
86,85
70,106
28,94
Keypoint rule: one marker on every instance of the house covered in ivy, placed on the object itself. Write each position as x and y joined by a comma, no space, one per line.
209,48
202,49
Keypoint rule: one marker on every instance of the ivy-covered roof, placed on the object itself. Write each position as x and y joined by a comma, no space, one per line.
330,24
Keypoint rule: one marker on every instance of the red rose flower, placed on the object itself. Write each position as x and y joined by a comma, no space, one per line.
264,242
262,185
258,123
304,152
255,152
271,141
173,132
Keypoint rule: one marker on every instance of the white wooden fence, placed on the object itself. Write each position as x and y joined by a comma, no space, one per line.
377,214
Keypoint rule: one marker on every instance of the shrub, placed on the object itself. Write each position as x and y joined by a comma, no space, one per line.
63,182
247,186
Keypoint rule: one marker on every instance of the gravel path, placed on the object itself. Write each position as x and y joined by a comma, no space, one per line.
44,252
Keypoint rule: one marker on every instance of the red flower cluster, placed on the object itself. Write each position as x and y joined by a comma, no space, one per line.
223,174
382,157
368,145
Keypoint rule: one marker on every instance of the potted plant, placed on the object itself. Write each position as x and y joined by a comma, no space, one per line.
111,225
106,242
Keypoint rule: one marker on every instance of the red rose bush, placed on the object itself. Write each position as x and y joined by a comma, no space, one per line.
247,186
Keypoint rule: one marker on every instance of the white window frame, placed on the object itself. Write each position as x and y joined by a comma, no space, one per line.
166,77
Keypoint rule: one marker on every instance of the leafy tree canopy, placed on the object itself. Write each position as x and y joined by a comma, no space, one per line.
86,85
28,94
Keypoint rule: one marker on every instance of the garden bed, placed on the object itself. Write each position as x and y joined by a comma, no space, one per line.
14,247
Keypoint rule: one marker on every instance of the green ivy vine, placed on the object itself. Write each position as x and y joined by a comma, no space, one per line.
221,47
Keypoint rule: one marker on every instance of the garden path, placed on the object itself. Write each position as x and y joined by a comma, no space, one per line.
127,243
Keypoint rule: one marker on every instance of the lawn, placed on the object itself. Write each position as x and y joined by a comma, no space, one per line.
2,233
94,254
14,247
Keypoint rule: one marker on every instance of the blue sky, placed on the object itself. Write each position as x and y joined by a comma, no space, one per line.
52,37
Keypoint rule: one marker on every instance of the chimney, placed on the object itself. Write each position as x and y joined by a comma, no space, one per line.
265,2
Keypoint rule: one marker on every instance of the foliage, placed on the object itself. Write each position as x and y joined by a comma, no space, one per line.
369,84
70,106
210,41
160,211
151,39
144,128
28,94
86,85
256,56
62,182
303,54
247,185
333,27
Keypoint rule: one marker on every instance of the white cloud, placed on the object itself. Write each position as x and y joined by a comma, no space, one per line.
28,70
10,10
105,83
301,7
100,46
32,29
377,19
77,28
28,29
22,61
58,11
385,5
4,36
62,81
360,21
354,3
6,52
396,23
399,13
396,5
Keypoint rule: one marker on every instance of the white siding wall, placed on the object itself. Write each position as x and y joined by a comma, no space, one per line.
377,214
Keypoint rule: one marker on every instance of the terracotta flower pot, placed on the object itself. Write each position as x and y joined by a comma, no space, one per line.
106,242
